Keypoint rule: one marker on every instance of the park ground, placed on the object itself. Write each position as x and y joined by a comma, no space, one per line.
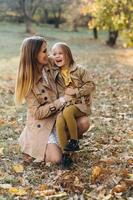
103,167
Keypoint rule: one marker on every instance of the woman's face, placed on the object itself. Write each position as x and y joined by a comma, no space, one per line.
59,56
42,55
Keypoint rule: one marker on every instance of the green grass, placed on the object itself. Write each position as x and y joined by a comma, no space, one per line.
11,36
84,48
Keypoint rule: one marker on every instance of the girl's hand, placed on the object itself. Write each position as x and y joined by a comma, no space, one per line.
67,97
70,91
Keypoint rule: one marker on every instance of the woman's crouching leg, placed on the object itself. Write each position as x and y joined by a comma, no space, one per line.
53,153
83,125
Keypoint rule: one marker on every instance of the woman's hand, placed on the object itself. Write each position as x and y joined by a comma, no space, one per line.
70,91
68,97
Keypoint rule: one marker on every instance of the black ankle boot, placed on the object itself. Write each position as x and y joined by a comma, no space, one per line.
72,145
66,161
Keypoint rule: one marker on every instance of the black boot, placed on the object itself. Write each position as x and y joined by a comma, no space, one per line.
66,161
72,145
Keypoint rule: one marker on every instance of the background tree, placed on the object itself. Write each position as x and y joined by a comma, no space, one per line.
20,11
87,8
73,15
116,16
29,8
54,11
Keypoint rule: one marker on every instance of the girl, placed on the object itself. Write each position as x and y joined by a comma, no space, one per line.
77,84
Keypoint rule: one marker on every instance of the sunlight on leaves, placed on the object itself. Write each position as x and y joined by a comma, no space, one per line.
96,171
18,168
17,191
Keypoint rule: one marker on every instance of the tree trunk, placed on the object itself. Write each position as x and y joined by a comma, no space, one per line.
113,35
29,26
95,33
27,16
45,16
57,17
75,27
57,23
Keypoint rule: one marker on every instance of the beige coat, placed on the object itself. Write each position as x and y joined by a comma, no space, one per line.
43,106
82,83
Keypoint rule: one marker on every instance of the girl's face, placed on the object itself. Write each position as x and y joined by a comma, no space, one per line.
42,56
59,56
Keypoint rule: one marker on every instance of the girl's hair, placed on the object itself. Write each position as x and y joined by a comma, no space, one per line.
67,51
27,69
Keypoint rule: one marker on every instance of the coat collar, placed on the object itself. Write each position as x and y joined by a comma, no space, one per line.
40,74
73,68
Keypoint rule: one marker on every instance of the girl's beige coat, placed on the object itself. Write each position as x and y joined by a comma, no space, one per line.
43,106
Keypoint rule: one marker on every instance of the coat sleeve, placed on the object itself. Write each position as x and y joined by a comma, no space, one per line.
88,85
42,111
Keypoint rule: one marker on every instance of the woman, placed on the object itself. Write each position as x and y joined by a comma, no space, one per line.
37,86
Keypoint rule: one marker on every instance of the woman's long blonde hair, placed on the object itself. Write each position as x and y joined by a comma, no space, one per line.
28,68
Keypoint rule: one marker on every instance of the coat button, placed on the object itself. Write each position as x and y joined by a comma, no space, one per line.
38,126
43,90
45,98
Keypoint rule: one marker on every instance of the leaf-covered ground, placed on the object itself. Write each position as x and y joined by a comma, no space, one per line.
103,168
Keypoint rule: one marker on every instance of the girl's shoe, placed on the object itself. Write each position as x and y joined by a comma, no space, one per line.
72,145
66,161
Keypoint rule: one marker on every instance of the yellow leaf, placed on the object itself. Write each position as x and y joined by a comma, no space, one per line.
130,176
96,171
17,191
18,168
42,187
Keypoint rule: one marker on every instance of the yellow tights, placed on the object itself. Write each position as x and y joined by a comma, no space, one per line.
66,123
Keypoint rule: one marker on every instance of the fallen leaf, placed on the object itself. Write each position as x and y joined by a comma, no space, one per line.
129,182
96,171
18,168
130,161
110,161
117,138
45,192
119,188
43,187
130,176
60,195
17,191
5,186
130,133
